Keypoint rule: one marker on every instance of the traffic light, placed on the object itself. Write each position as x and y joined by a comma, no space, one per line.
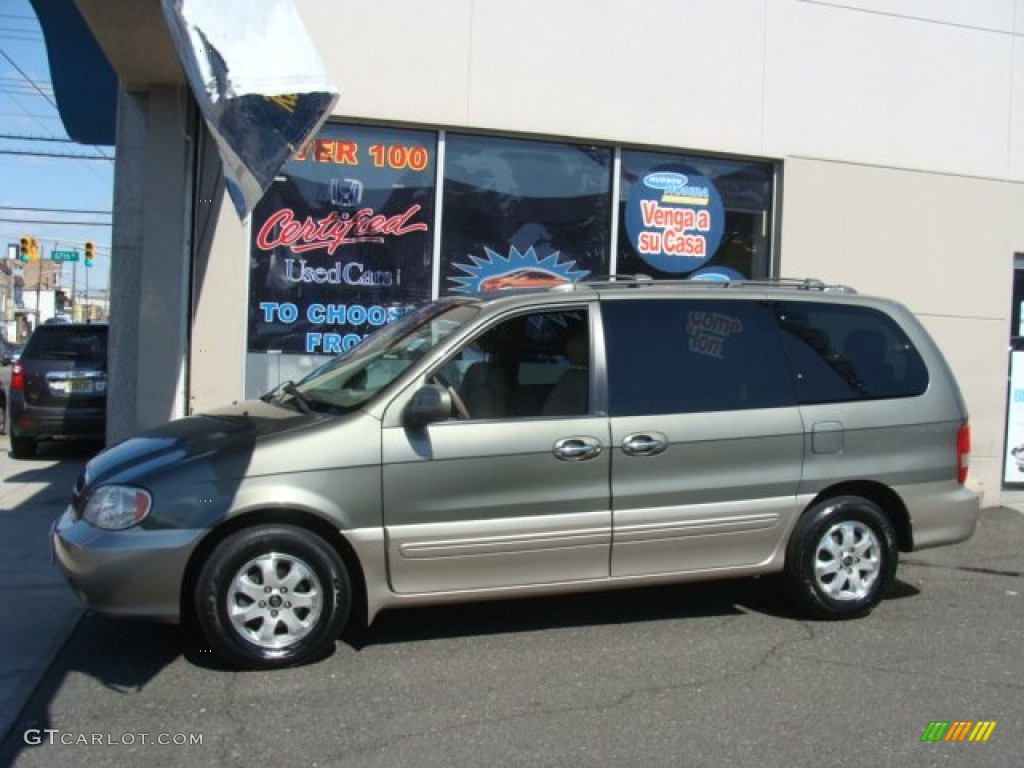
89,250
24,247
33,249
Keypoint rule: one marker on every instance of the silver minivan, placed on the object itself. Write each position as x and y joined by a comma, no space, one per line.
589,436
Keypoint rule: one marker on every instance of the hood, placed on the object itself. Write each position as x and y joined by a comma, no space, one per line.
228,434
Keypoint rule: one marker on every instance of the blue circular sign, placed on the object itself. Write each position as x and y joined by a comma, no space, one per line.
675,219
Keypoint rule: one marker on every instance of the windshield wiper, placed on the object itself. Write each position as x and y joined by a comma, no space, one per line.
288,387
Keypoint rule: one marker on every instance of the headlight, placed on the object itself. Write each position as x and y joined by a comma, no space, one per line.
116,507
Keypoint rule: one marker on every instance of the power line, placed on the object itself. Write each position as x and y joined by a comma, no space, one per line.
52,103
51,210
55,154
27,78
58,222
21,137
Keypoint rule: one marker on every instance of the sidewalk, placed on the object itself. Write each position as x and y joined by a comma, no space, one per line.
38,608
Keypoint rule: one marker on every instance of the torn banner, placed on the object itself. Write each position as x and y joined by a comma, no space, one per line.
259,83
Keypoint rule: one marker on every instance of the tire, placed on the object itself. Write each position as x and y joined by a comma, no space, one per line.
275,562
841,558
23,447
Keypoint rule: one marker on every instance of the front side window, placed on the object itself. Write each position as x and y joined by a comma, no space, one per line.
843,352
689,356
531,365
354,377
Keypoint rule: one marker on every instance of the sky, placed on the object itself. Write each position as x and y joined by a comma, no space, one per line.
61,201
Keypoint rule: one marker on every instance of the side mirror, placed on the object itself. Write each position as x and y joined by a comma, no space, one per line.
430,403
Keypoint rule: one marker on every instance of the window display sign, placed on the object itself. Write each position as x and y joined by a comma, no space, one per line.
675,219
1013,466
521,214
342,241
700,218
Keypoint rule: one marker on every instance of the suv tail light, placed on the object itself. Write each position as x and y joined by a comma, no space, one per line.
963,452
17,377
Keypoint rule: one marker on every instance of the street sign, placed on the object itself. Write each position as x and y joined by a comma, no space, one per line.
63,255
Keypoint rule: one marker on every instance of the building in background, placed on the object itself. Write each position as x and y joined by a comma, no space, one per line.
875,143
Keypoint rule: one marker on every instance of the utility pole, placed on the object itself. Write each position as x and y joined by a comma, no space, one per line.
39,281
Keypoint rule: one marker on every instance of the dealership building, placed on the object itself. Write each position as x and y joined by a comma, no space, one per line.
481,144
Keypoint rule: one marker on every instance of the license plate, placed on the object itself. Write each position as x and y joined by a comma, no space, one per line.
78,386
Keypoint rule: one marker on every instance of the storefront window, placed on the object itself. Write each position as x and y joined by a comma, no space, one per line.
342,241
684,216
519,213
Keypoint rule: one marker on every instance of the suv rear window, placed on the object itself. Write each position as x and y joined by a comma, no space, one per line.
66,342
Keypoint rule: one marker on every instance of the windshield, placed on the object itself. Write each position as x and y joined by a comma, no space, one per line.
348,381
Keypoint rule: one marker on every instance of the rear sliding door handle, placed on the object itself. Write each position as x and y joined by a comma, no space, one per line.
577,448
644,444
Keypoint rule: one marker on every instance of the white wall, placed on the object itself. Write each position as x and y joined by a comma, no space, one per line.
149,289
909,83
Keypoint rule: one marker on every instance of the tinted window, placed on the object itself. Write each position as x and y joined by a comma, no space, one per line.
55,342
684,356
843,352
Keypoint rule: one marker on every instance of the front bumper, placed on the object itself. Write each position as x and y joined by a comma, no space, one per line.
132,573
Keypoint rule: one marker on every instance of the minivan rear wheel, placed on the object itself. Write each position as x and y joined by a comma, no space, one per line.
841,558
272,596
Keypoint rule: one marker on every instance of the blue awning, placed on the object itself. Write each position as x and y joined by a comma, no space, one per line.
84,83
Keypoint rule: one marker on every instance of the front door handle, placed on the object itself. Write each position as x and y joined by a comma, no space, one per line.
577,448
644,444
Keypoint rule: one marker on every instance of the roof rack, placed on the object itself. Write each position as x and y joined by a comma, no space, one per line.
640,281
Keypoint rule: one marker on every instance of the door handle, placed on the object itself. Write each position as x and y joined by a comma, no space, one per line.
644,444
577,448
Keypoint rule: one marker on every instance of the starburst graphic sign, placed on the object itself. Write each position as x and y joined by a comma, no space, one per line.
516,270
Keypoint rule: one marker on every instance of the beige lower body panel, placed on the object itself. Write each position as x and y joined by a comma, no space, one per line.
483,554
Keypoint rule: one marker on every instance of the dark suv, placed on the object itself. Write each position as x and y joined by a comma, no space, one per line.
59,386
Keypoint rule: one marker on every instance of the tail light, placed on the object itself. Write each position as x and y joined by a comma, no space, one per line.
963,452
17,377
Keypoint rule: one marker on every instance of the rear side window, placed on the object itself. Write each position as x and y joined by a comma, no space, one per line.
67,343
688,356
846,352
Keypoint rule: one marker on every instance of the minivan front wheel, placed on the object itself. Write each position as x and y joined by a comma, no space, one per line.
272,596
841,559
